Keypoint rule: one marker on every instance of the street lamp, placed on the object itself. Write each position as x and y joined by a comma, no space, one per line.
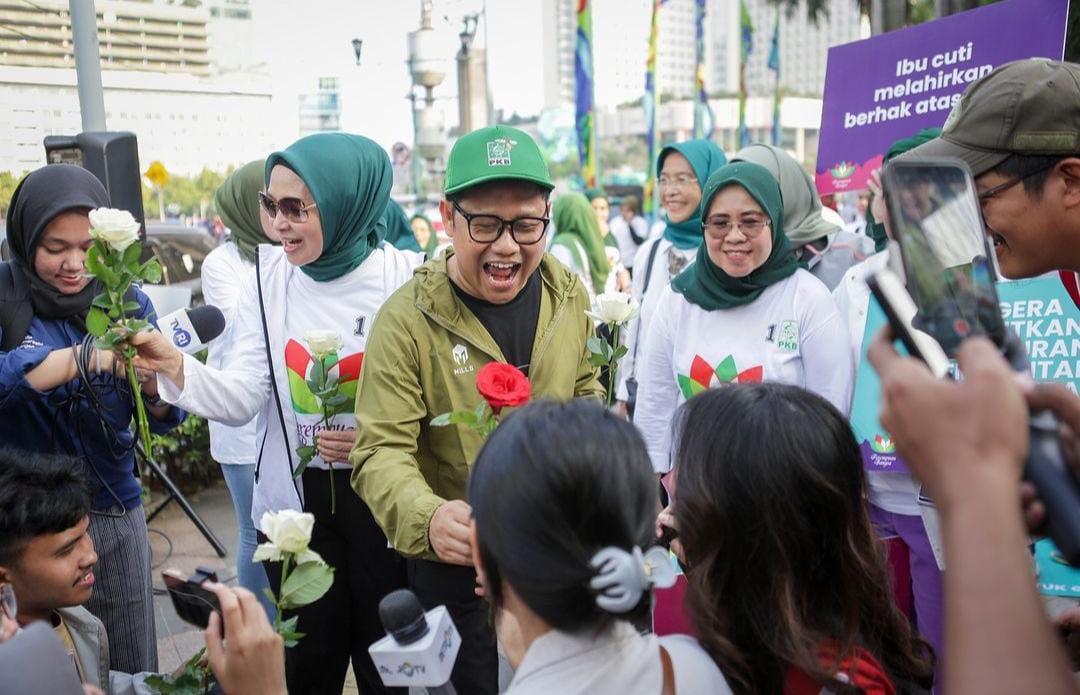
357,46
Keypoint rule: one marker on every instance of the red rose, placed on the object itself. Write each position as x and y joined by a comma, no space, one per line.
503,385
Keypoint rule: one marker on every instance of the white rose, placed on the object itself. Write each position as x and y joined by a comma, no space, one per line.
116,228
323,342
289,531
614,307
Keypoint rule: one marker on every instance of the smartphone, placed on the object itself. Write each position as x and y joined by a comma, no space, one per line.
192,602
888,289
949,265
950,271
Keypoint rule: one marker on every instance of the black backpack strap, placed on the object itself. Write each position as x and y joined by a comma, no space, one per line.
639,240
16,311
273,383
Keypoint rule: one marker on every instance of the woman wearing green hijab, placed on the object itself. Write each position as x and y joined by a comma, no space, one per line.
223,275
305,314
577,241
823,248
682,170
424,232
743,312
399,233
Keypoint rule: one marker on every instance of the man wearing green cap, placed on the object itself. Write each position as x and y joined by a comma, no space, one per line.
494,296
1018,129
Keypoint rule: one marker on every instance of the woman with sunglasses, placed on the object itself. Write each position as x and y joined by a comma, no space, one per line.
744,312
313,298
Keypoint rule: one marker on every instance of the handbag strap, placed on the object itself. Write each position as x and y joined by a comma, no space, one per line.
644,288
669,672
273,384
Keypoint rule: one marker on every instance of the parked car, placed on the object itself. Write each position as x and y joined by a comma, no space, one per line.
179,248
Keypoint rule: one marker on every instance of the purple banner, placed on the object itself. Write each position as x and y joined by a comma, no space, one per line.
889,87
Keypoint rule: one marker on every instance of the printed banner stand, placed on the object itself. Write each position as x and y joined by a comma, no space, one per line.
891,86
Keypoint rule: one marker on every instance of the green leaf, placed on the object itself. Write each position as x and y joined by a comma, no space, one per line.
102,301
96,322
458,417
595,345
273,599
132,307
337,401
482,411
597,360
318,374
620,352
312,385
93,260
306,584
306,453
131,256
151,271
332,384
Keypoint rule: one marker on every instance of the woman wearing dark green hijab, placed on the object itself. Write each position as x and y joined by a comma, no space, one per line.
399,233
304,318
577,241
743,312
424,232
682,170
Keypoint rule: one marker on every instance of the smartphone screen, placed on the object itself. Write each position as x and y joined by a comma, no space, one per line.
949,264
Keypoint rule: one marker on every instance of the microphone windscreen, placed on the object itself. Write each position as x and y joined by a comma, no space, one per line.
402,616
208,322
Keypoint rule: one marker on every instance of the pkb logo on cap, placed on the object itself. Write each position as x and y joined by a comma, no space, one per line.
498,152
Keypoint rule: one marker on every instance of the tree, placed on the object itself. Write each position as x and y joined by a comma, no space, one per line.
8,182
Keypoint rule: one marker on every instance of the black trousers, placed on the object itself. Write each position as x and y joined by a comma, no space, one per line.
345,621
476,671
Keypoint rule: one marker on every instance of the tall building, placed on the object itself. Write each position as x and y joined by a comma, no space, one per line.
321,110
620,43
158,76
132,35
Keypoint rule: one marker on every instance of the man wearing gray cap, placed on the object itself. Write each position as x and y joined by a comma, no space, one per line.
1018,129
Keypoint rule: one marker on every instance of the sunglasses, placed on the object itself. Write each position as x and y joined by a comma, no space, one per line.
293,209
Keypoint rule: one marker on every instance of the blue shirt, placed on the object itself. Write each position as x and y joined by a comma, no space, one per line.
60,421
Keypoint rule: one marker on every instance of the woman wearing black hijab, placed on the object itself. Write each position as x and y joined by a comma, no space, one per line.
59,395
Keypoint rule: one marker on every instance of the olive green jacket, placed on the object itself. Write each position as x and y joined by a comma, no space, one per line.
421,361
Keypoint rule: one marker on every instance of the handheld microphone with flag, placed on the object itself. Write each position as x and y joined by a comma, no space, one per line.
189,330
419,649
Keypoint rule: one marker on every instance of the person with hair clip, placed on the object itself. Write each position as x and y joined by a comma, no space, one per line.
744,312
223,274
58,393
584,512
326,195
788,586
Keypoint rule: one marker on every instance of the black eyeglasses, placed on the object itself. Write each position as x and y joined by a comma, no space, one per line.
991,192
486,229
294,209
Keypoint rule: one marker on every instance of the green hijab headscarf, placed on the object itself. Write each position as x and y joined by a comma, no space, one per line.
237,201
705,158
704,283
802,206
432,242
350,177
877,231
575,217
398,231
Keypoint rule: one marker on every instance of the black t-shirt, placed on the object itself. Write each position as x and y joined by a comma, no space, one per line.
513,324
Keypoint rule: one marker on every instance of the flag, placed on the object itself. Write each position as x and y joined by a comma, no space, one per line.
648,107
747,33
774,65
583,78
702,111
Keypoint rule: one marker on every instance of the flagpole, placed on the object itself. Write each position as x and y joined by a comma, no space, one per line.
650,201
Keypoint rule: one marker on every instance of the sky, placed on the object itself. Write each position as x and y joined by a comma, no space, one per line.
312,39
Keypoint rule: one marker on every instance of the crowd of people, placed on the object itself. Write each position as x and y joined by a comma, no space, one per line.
727,466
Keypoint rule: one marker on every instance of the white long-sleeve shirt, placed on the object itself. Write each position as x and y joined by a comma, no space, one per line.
224,272
791,334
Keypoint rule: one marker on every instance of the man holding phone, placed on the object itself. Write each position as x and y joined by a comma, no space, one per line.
1018,129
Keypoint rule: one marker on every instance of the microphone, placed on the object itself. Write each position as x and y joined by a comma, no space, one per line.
189,330
419,649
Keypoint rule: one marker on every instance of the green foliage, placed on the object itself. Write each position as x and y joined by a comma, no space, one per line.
8,182
194,194
194,678
306,584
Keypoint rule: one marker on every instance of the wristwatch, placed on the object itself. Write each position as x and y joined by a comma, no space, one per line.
153,401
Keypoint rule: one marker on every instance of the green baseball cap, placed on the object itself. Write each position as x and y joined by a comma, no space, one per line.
1029,107
494,153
